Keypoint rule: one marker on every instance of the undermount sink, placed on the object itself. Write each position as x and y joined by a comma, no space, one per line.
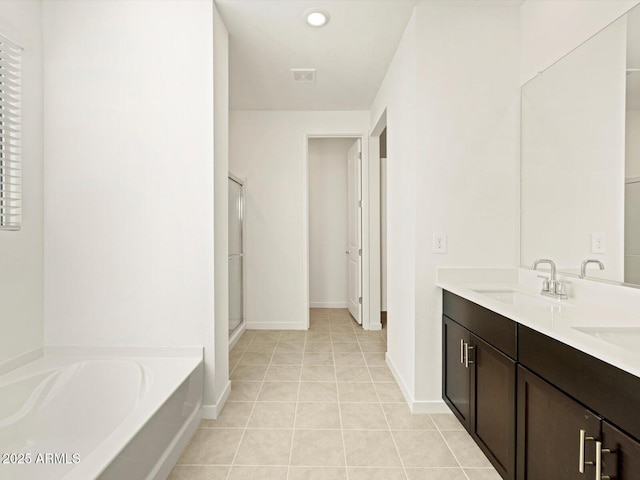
520,299
625,337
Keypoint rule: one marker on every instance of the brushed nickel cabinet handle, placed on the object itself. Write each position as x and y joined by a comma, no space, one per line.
462,351
599,452
583,439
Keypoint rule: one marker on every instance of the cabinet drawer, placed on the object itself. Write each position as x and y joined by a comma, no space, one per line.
494,329
613,393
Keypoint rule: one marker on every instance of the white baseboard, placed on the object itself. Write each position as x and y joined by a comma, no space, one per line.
236,335
211,412
275,326
328,304
416,406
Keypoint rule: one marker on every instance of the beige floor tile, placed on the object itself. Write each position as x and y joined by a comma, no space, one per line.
266,347
272,415
318,336
482,474
362,416
381,375
373,347
284,346
267,336
318,374
357,392
347,373
320,359
317,448
265,447
370,449
283,373
343,337
279,392
293,336
318,392
345,358
435,474
317,416
446,421
211,447
346,347
317,473
233,415
400,418
465,449
255,358
423,449
252,373
375,359
389,392
244,391
369,337
235,356
376,474
187,472
286,358
258,473
317,347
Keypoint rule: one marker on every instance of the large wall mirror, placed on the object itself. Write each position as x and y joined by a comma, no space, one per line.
580,157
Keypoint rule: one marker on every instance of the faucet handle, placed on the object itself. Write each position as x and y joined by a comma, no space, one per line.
545,283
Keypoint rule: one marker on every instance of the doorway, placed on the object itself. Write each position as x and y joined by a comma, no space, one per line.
335,224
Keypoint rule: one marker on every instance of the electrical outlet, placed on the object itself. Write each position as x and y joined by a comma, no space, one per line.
598,242
439,243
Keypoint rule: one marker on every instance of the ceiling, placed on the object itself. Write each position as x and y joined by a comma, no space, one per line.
351,54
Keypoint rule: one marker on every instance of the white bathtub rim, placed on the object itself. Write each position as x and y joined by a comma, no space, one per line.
21,360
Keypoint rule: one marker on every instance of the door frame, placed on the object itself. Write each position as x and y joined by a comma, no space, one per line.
369,321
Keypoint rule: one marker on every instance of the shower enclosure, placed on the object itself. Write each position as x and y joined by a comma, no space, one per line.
236,255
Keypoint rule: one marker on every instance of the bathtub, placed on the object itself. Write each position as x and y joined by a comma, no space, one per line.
82,414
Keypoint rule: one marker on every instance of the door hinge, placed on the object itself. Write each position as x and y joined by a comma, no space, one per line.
360,203
359,155
360,252
360,300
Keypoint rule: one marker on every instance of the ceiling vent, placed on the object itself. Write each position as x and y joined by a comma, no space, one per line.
304,75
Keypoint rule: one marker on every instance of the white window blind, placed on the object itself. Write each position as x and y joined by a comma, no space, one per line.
10,135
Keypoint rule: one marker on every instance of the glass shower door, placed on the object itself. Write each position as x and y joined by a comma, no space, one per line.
236,307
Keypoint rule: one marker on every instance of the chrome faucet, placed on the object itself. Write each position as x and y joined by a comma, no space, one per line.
551,287
583,266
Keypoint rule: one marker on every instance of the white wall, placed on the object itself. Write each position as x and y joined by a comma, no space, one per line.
552,28
328,239
632,143
397,95
129,173
21,261
268,149
216,337
452,113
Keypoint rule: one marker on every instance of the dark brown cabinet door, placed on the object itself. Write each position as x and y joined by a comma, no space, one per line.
493,406
548,438
622,462
456,378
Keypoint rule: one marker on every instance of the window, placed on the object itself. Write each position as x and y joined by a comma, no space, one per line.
10,136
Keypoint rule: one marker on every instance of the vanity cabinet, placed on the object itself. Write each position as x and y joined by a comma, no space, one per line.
549,424
479,378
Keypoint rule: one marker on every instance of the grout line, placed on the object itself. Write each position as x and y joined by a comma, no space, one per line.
450,449
344,444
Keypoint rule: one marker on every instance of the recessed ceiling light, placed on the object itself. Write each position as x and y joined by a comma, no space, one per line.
316,18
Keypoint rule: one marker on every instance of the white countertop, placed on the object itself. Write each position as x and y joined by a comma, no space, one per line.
557,319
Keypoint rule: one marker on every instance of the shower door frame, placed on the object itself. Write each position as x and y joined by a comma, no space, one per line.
235,334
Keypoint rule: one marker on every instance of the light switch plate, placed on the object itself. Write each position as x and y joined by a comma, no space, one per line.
598,242
439,243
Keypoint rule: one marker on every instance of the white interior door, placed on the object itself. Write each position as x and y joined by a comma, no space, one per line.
355,230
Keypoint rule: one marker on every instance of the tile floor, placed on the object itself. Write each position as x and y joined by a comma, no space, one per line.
322,405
